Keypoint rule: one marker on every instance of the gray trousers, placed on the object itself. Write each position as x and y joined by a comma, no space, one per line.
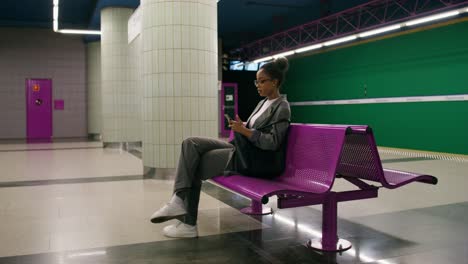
200,159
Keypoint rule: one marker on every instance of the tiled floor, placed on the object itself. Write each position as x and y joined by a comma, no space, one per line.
80,162
50,217
79,203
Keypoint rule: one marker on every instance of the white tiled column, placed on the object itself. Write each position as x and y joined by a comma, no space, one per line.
120,97
179,76
93,84
135,123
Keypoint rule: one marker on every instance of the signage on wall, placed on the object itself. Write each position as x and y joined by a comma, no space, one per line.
58,104
36,88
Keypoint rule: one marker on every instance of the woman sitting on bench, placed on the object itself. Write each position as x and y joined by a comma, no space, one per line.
205,158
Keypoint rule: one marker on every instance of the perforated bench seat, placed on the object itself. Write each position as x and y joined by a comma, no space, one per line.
260,190
396,178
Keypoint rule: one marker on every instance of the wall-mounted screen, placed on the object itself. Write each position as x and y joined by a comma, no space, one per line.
251,66
236,66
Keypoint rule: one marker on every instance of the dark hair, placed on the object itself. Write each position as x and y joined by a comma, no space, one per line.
277,69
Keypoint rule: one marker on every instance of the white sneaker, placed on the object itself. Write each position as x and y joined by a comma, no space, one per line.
175,208
180,230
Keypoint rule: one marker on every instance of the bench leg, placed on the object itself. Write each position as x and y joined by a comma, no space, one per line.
256,208
329,240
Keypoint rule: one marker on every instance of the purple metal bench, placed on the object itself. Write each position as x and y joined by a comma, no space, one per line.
316,156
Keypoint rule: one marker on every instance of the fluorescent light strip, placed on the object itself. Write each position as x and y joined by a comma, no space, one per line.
340,40
79,31
55,11
432,18
379,31
312,47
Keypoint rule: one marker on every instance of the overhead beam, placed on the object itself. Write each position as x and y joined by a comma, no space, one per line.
373,15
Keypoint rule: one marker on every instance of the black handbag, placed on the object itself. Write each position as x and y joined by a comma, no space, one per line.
252,161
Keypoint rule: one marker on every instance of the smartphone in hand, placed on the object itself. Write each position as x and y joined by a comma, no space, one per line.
228,118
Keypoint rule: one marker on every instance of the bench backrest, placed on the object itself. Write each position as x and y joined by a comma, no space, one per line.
313,154
316,153
360,158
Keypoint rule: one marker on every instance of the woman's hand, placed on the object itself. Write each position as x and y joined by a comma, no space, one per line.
236,125
239,127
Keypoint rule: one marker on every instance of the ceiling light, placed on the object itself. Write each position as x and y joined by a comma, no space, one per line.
77,31
378,31
312,47
340,40
55,12
432,18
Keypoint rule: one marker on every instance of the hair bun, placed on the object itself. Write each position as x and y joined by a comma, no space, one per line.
282,64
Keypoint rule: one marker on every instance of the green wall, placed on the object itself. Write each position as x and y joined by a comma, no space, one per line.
424,63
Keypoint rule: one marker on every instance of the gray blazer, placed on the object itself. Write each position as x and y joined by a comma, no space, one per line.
271,133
